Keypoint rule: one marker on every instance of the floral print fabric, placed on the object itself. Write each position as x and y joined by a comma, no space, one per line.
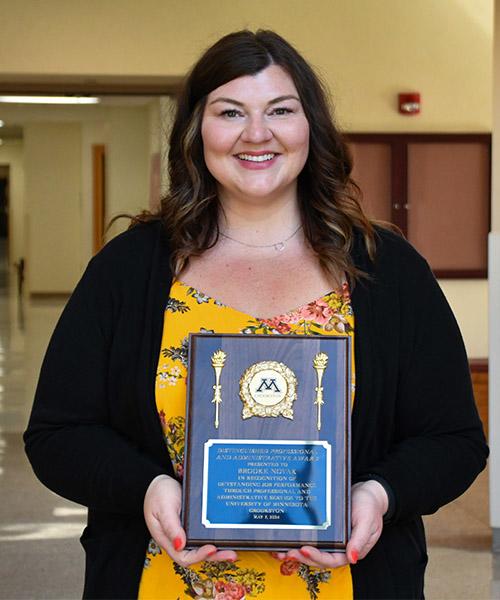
256,574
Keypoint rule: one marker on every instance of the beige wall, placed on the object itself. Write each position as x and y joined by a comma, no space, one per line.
127,169
53,183
366,50
93,132
12,154
469,301
125,133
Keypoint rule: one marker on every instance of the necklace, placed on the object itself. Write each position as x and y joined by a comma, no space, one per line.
278,246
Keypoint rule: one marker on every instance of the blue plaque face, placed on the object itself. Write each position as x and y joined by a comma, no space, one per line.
266,484
267,457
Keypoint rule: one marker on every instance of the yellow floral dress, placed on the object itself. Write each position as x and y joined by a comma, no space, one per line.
255,574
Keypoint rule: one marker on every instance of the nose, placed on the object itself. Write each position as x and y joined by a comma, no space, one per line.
256,131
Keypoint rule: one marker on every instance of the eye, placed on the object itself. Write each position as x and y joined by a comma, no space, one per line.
231,113
281,111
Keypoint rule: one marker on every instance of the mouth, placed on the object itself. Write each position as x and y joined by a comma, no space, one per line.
257,158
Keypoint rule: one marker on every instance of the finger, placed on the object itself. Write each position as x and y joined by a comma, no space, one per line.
170,524
298,556
208,552
360,532
278,555
223,555
372,540
186,558
364,536
157,533
329,560
316,558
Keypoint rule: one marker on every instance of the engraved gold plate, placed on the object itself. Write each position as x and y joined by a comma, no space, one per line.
268,389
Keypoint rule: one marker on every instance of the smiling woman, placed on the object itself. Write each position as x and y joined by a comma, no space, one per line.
261,233
245,88
256,123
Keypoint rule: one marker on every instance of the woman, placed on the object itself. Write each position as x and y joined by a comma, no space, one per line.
261,217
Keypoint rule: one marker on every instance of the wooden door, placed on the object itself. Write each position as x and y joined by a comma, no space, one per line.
98,195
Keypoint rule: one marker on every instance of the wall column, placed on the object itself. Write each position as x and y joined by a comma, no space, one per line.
494,299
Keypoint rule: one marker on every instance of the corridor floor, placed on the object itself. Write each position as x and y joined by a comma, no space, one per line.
40,555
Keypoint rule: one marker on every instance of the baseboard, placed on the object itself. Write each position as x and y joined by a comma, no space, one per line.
478,365
49,295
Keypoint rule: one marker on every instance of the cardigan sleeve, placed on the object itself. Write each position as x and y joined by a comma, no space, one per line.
439,446
69,441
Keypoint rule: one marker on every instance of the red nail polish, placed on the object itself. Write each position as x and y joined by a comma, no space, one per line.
177,543
354,556
305,553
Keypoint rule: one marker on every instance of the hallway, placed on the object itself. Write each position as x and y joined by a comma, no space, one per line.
40,556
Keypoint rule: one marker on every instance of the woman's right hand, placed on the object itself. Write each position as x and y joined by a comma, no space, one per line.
162,509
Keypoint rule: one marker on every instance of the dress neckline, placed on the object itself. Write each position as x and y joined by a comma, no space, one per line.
267,319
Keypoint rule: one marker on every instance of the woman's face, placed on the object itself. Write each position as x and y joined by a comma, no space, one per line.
256,136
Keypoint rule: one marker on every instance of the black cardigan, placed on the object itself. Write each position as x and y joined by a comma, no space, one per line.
94,435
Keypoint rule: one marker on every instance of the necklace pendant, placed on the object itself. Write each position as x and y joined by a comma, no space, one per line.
279,247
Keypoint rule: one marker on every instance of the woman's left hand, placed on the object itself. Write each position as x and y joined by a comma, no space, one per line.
369,504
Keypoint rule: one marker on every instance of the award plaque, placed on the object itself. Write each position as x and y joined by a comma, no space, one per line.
267,456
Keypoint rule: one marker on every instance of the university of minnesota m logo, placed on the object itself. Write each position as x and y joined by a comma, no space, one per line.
267,385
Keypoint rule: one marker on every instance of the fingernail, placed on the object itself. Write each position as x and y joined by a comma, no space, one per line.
212,552
354,556
305,553
177,543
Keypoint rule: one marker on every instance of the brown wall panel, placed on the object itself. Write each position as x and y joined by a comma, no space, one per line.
448,203
372,172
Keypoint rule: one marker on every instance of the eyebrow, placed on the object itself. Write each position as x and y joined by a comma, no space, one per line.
238,103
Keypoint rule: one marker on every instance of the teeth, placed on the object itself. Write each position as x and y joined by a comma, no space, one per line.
253,158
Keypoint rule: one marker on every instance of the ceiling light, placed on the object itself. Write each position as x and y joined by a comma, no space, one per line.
50,99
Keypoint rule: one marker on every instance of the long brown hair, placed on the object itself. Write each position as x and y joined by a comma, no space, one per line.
328,197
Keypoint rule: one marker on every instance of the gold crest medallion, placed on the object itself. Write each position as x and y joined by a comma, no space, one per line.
268,389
